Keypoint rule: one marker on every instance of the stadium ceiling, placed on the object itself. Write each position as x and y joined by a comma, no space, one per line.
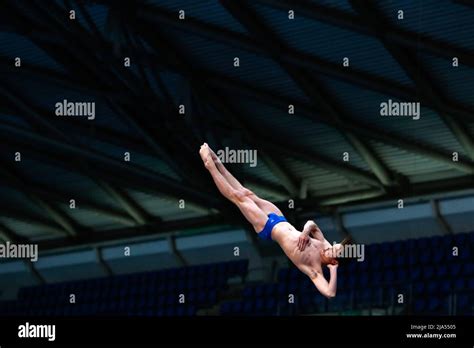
174,60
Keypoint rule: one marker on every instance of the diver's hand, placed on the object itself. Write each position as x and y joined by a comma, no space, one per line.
303,241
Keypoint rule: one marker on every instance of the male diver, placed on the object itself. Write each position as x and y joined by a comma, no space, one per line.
308,250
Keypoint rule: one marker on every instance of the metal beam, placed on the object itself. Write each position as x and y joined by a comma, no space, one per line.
69,225
42,118
54,13
135,144
285,177
141,231
52,195
327,163
156,229
268,189
275,46
176,253
7,234
296,58
152,14
209,95
443,224
424,84
347,20
138,214
364,131
101,166
119,139
218,102
339,223
34,272
120,76
306,110
281,173
41,223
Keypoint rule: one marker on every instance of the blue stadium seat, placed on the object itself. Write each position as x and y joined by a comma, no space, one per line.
305,286
259,290
465,253
362,266
413,258
422,243
446,242
428,272
192,297
248,307
304,304
386,248
434,304
425,256
401,275
363,298
351,266
259,305
419,306
468,269
444,286
441,270
438,255
181,284
459,284
470,284
225,308
171,273
271,306
464,304
418,288
398,247
238,307
411,244
460,239
341,282
415,273
389,276
170,311
221,268
455,269
293,287
271,290
374,262
283,275
401,260
376,278
436,242
294,274
181,311
351,281
432,287
363,280
341,302
388,261
181,273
